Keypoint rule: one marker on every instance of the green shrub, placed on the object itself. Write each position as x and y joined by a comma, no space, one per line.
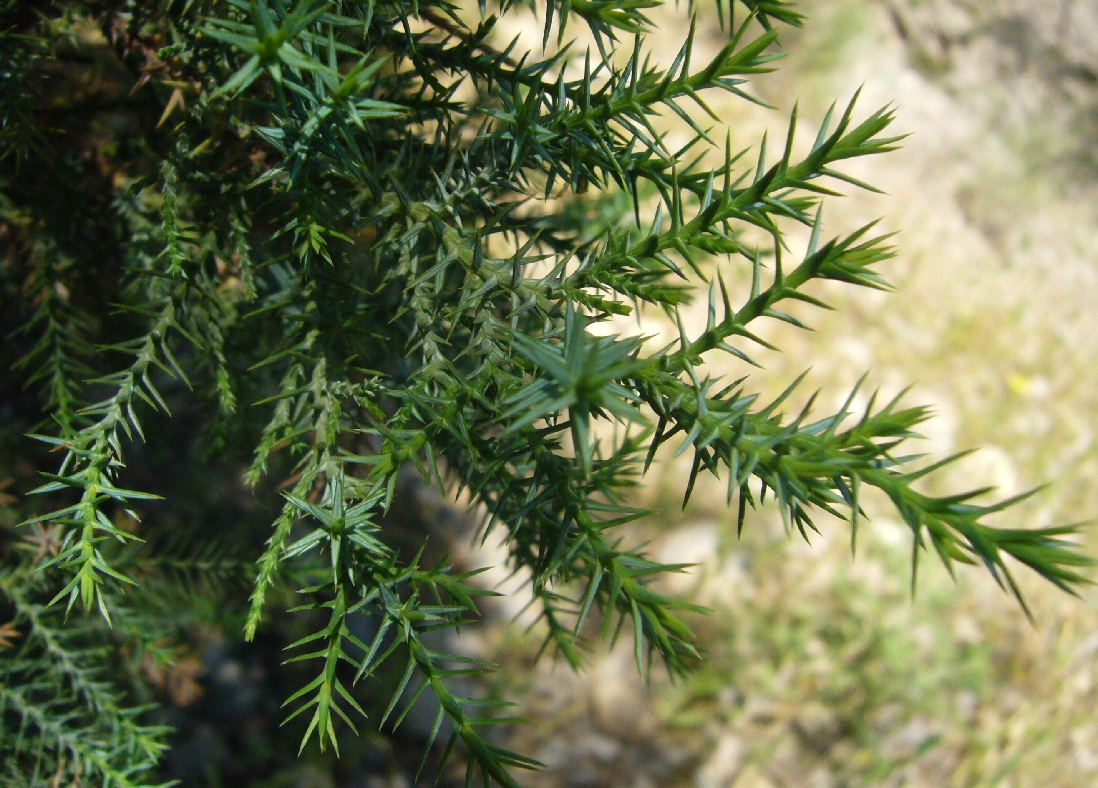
341,240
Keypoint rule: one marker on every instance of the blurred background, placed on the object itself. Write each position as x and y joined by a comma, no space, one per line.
823,670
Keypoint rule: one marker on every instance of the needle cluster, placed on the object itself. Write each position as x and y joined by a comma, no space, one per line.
349,239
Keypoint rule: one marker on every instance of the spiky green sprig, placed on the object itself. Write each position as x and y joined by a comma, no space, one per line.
58,362
804,469
558,517
767,12
580,133
306,420
816,466
19,131
93,457
771,195
365,579
551,530
72,718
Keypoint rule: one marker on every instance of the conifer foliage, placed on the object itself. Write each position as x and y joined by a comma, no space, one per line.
351,238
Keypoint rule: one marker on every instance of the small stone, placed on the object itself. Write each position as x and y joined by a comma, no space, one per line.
618,698
698,545
723,764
